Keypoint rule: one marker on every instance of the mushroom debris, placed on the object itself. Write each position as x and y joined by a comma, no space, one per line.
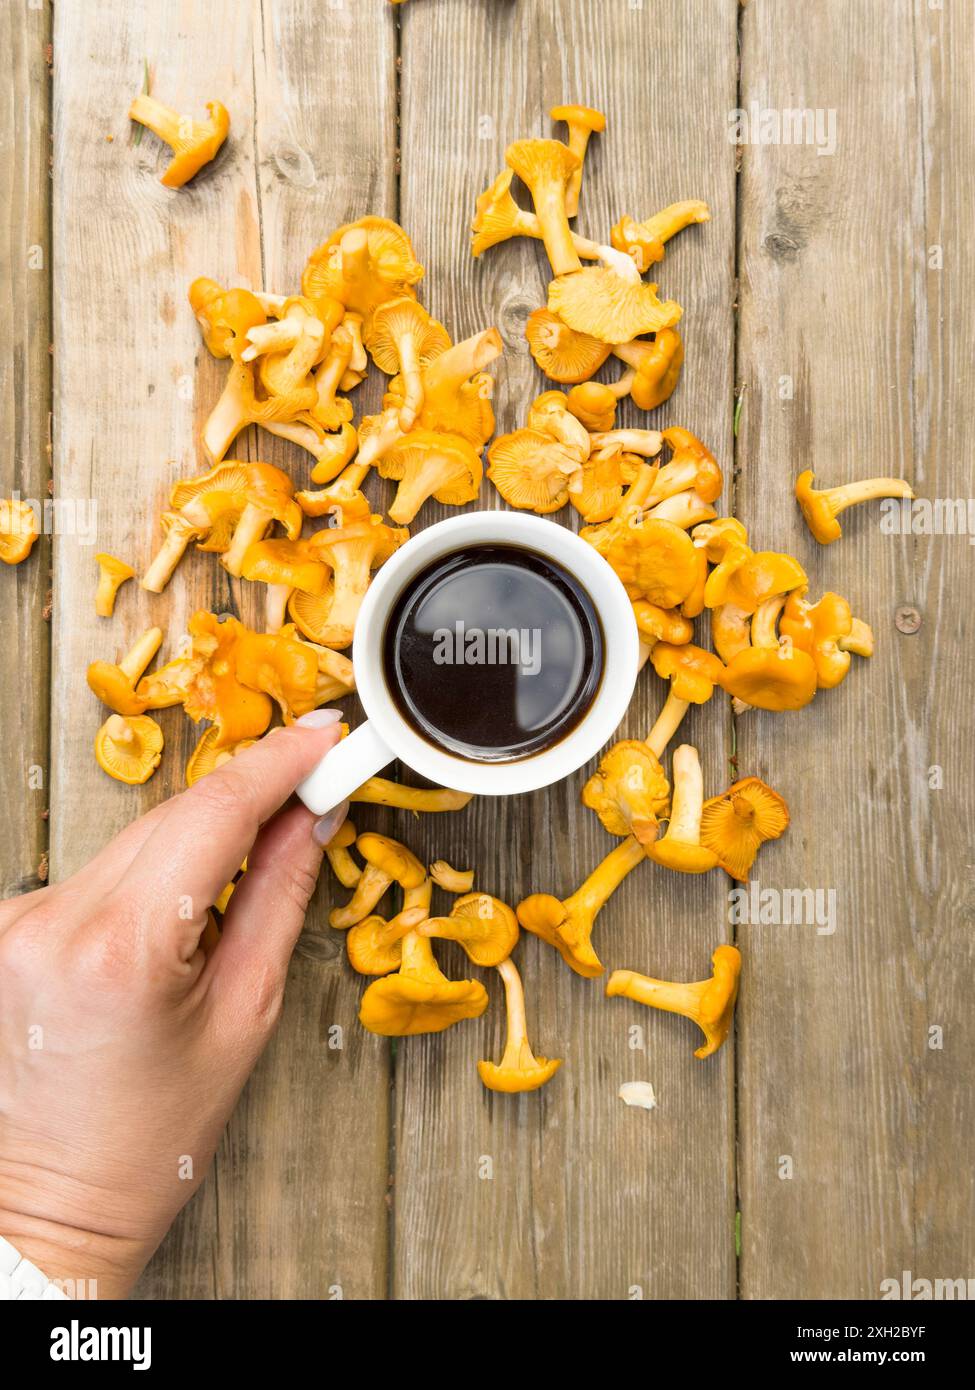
649,501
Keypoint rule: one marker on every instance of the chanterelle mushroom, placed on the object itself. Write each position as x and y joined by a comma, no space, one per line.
18,531
709,1003
485,927
225,316
821,507
644,241
545,167
419,998
532,470
629,791
568,925
112,574
193,143
560,352
115,685
582,121
657,366
693,674
741,819
828,631
519,1068
404,338
129,748
375,946
602,303
442,466
680,848
353,551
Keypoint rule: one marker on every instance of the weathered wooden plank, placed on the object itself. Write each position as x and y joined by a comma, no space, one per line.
586,1198
840,297
311,94
25,465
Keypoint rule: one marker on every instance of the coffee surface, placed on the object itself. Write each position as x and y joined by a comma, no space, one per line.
493,653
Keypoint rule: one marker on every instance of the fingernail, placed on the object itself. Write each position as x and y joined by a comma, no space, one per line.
319,718
328,827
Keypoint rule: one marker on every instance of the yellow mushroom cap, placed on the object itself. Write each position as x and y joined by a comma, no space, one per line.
429,464
772,678
563,354
654,558
112,573
129,748
819,629
485,927
531,470
594,404
283,561
404,318
400,1006
693,672
207,756
741,819
601,303
18,531
375,946
629,791
391,858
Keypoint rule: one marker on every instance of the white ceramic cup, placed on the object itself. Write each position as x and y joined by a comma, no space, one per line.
386,735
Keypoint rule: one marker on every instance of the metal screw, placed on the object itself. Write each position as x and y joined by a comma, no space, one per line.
907,620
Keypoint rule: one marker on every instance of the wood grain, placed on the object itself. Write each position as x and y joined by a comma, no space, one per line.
286,1213
836,1070
25,464
586,1198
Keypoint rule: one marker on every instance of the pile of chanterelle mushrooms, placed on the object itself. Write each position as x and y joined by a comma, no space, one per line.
646,496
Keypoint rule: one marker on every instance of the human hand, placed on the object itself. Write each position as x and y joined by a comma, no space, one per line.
123,1046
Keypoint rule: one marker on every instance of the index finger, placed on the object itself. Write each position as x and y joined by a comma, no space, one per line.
209,829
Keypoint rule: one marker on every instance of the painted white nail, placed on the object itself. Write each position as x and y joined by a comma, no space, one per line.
328,827
319,718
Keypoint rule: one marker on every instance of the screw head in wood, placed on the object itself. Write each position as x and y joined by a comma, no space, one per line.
907,620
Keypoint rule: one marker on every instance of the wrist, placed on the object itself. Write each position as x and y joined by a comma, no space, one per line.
87,1264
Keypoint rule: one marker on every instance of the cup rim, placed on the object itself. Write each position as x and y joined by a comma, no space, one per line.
620,662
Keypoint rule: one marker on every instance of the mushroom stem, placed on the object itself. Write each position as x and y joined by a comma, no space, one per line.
668,722
415,488
851,493
644,442
459,363
605,878
160,119
418,957
377,791
169,554
514,1006
687,801
276,606
371,886
138,656
253,523
549,200
409,361
119,731
764,633
450,879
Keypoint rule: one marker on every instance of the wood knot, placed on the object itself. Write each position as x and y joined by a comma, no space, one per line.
295,164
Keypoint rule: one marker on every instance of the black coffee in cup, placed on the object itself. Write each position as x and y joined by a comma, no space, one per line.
493,653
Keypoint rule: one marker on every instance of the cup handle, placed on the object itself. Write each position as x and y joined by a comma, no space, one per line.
345,767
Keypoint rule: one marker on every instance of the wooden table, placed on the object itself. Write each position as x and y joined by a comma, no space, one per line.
829,1146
